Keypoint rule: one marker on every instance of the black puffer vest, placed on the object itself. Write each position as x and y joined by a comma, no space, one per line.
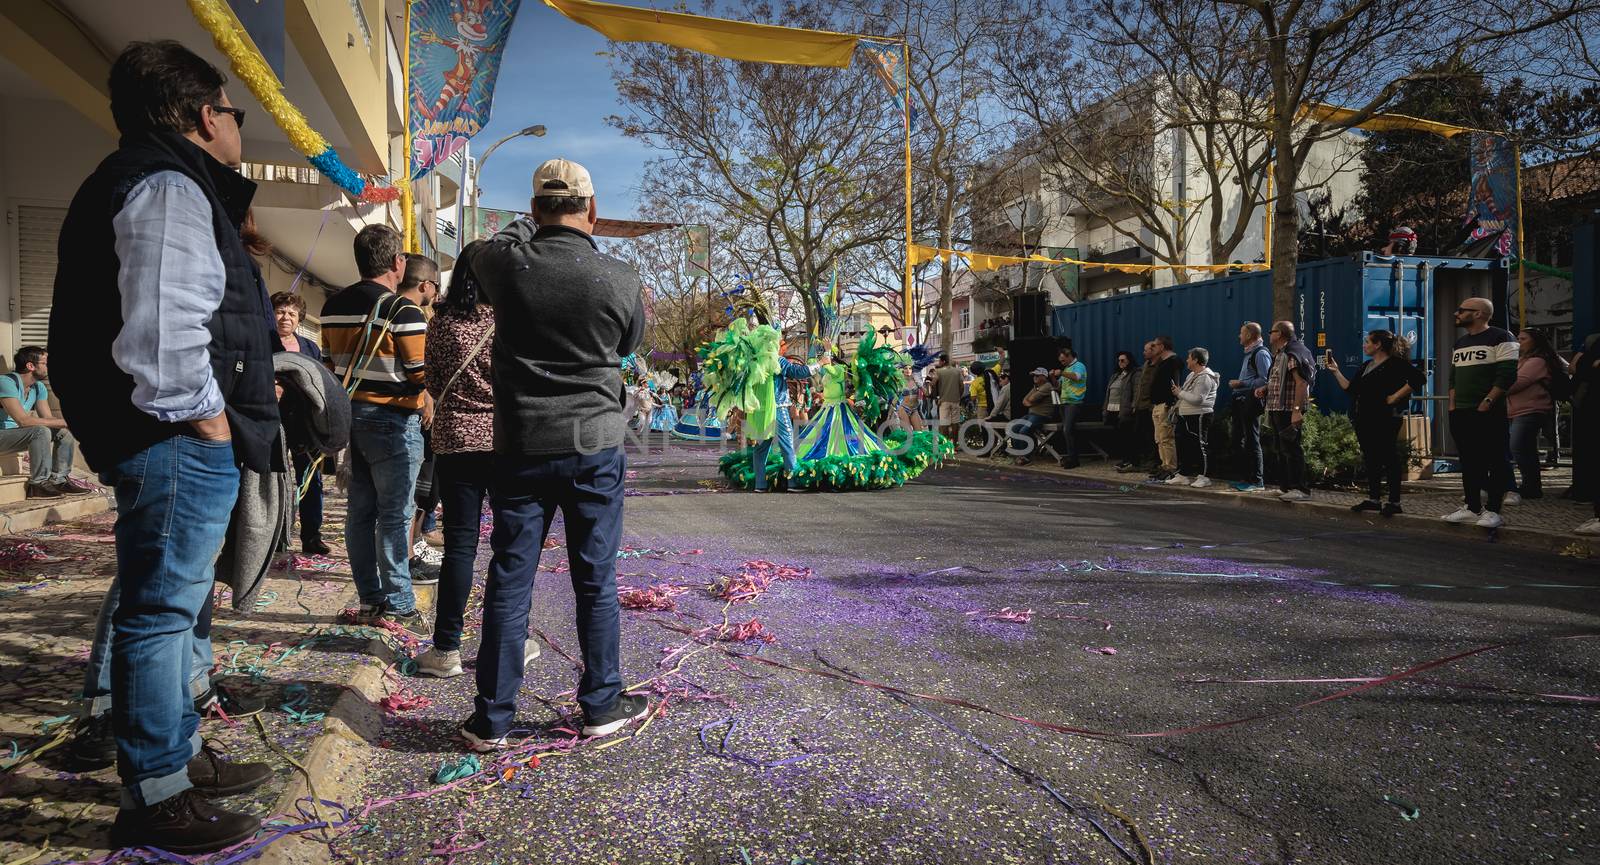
96,395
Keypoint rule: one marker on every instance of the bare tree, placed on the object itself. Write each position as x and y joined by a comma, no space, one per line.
1358,54
1244,81
1123,103
952,89
802,155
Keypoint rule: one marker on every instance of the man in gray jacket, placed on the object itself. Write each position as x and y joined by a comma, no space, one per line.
565,316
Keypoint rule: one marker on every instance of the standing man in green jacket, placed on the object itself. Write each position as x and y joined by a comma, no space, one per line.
1482,367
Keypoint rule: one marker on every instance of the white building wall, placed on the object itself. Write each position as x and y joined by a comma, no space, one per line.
46,151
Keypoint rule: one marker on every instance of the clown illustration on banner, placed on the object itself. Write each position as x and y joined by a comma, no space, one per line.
1494,190
455,56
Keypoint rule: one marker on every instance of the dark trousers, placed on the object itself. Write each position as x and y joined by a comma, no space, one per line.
587,488
462,483
1585,472
311,502
1120,445
1482,438
1063,440
426,494
1193,434
1291,452
1247,411
1141,445
1379,438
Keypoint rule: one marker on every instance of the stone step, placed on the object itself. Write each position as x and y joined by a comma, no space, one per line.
29,514
13,489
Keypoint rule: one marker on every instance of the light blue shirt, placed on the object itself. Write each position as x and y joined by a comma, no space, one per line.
171,281
11,388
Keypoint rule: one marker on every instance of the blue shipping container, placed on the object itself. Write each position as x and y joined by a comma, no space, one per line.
1337,300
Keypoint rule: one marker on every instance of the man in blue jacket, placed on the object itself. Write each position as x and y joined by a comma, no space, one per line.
1247,409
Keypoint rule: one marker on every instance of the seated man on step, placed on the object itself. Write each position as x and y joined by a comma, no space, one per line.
28,424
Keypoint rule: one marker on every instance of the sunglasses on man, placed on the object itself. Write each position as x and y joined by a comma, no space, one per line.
238,113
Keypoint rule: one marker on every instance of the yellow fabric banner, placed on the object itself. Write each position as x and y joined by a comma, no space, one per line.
735,40
1383,122
979,262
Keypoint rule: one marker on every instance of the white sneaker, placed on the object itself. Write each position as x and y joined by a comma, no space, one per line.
439,664
485,746
1512,498
1201,482
1462,515
1295,496
1490,520
427,554
530,652
1591,527
1178,481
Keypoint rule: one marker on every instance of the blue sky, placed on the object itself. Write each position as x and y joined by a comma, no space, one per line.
552,74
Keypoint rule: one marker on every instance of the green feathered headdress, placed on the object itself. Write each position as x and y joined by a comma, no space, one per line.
738,366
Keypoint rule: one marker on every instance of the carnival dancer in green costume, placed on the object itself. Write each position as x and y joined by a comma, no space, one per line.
745,370
837,430
840,449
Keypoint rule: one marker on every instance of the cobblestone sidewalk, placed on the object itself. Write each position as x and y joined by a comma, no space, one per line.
287,650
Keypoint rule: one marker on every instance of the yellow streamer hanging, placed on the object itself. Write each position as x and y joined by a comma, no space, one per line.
248,65
980,261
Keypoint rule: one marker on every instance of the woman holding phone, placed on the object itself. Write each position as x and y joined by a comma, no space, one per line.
1380,390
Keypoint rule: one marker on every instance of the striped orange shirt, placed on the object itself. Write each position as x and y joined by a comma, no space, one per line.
389,361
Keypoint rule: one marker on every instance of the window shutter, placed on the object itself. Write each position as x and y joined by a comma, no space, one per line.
38,229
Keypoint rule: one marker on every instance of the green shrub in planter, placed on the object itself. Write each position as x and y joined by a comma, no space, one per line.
1333,455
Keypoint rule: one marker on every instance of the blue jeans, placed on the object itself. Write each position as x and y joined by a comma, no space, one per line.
1021,432
174,501
385,453
1525,448
97,677
49,451
784,436
462,481
528,490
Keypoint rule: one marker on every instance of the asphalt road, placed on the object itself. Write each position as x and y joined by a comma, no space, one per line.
799,768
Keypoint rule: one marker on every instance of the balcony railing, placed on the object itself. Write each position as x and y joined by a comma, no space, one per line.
278,173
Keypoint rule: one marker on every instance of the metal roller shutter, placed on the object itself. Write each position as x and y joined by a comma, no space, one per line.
37,231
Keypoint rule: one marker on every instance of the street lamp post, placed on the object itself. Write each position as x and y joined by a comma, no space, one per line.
535,131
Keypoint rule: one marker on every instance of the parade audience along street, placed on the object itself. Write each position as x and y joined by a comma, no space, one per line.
515,398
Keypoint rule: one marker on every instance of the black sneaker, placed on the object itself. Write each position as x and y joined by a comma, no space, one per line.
93,747
1068,463
220,701
422,573
627,709
1391,508
185,823
414,622
315,547
213,776
1366,505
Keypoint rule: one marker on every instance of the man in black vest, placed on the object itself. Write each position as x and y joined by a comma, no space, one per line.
169,389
